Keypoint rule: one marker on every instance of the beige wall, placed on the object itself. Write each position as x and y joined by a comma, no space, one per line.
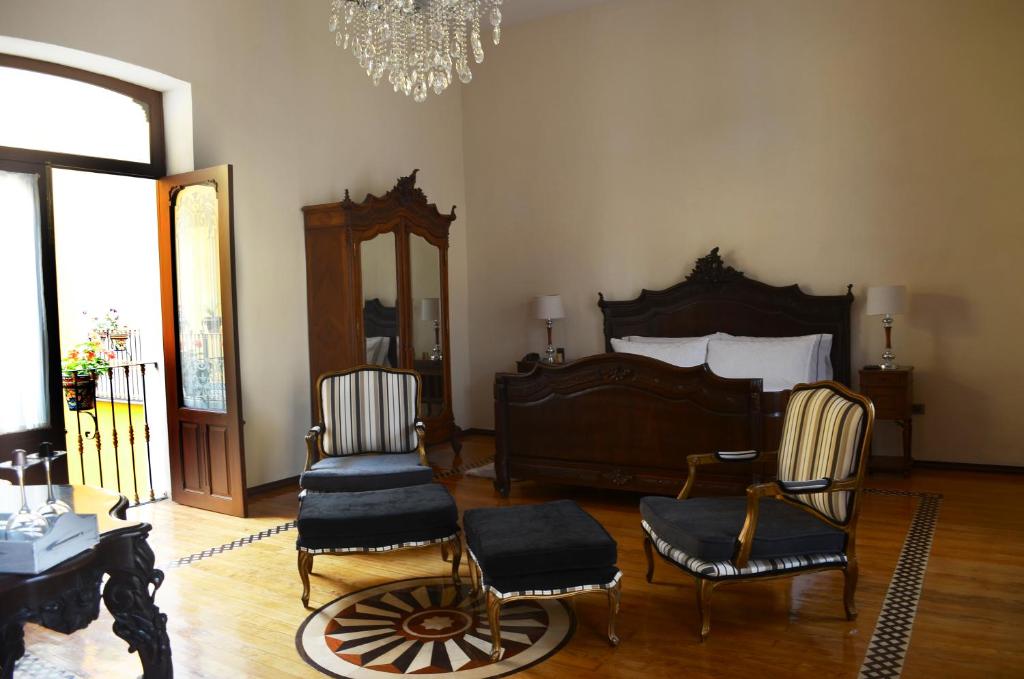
816,142
300,123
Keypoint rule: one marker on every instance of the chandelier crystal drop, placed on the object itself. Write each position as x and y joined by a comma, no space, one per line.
419,45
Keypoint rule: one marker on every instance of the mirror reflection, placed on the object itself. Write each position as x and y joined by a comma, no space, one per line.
428,317
380,299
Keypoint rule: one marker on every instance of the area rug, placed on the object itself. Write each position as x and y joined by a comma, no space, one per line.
427,626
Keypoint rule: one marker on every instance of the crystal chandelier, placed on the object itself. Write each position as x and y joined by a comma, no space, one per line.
417,43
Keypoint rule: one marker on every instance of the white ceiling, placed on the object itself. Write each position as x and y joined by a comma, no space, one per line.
520,11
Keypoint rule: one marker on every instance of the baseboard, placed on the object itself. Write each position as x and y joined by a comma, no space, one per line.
477,431
968,467
291,481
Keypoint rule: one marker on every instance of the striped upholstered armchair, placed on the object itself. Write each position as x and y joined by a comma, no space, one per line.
803,521
369,435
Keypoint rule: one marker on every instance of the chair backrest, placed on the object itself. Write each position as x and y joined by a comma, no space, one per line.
369,409
823,437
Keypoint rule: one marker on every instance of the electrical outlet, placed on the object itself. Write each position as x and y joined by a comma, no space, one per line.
917,409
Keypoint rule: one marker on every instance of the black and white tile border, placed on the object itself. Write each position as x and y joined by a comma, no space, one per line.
227,547
891,638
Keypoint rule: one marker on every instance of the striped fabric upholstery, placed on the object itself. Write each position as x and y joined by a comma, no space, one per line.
820,438
372,410
720,570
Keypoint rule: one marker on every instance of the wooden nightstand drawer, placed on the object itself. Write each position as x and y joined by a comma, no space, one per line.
897,379
891,403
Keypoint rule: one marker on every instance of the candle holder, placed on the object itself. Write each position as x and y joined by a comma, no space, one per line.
53,507
24,524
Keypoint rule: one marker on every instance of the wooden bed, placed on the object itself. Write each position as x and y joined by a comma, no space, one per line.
628,422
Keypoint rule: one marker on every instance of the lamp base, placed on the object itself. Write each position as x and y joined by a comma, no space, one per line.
549,355
888,361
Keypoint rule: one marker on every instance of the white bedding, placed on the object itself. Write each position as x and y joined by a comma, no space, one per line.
780,362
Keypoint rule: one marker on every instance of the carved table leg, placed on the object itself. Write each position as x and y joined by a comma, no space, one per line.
12,645
129,599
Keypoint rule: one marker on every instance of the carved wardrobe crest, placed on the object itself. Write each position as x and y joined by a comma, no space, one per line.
377,292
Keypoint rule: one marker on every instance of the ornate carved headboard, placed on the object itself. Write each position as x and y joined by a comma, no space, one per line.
718,298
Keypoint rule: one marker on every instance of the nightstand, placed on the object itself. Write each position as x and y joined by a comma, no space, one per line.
892,392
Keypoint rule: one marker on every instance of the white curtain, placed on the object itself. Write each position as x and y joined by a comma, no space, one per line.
23,397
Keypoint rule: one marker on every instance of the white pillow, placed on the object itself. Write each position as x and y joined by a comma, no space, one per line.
377,350
684,352
823,350
780,362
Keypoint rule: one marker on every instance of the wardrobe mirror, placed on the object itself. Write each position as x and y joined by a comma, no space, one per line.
378,267
428,319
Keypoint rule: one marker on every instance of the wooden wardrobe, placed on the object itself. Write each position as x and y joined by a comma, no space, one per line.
377,292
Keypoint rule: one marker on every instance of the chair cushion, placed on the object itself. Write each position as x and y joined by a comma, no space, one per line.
706,528
377,518
527,540
366,472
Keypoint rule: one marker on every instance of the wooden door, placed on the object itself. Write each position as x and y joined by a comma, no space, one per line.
197,291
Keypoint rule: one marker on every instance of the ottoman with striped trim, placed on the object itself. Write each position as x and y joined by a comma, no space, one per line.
376,521
543,551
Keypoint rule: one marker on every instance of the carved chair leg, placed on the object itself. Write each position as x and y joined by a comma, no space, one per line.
849,588
474,578
456,560
305,562
494,620
444,551
649,553
614,596
704,589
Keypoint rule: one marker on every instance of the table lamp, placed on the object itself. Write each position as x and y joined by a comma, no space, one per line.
886,300
430,310
547,308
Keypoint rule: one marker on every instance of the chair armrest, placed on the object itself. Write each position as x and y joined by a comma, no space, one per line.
801,487
421,441
694,461
745,541
312,447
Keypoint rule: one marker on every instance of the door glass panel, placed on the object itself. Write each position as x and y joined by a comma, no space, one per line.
427,320
23,398
380,299
49,113
197,281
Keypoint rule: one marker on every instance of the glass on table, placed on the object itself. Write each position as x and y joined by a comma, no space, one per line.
53,507
24,524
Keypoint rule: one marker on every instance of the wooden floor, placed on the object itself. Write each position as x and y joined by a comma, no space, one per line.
235,614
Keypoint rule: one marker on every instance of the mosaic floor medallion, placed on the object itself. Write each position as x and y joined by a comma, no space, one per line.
426,626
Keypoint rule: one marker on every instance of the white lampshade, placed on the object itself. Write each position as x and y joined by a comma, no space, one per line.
548,307
430,309
886,299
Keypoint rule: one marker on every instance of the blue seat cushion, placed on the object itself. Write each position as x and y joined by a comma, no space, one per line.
377,518
707,528
540,546
371,471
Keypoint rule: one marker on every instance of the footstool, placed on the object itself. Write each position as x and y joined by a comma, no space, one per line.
544,551
376,521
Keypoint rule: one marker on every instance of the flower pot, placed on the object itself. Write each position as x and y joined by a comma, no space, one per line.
212,324
119,339
80,392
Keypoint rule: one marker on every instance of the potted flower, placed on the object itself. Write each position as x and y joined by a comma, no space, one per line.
79,368
109,326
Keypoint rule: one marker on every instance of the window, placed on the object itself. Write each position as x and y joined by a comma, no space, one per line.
49,113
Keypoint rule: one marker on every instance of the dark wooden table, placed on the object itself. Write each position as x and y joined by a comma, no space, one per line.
66,598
